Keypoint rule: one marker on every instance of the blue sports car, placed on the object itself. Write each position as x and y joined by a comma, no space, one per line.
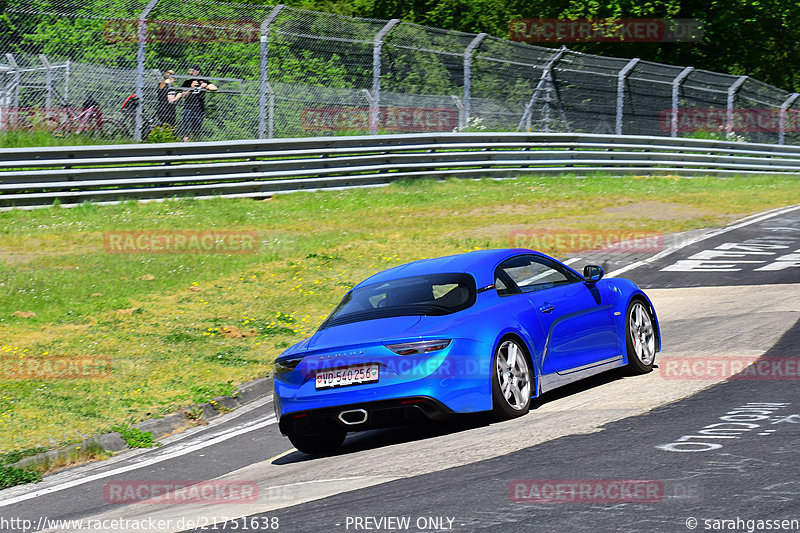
482,331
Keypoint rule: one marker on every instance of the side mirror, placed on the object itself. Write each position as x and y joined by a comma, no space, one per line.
593,273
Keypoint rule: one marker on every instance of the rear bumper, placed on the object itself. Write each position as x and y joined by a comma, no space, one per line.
378,414
458,378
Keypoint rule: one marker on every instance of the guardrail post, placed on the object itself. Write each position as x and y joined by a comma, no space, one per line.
468,72
140,49
621,78
546,77
784,108
732,90
265,92
377,46
48,81
676,88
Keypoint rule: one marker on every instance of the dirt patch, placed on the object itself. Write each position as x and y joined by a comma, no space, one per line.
232,332
657,211
16,257
596,217
130,311
514,209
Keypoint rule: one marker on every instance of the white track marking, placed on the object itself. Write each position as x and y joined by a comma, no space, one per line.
151,461
663,253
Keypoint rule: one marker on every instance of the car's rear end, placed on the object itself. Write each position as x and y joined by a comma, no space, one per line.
385,356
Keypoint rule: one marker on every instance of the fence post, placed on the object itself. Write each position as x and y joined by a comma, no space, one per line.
621,78
141,41
546,117
784,108
17,79
377,46
468,72
732,90
264,87
66,83
676,88
48,81
462,121
546,77
271,106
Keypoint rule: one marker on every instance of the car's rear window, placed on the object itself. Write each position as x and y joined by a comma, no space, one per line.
433,294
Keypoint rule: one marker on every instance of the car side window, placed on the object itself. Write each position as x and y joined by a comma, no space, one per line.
530,273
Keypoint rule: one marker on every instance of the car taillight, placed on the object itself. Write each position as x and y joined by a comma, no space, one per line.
286,365
415,348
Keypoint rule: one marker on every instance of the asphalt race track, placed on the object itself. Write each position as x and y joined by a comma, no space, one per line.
682,448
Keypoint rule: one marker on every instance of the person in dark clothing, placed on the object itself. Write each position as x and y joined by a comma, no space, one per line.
194,107
167,100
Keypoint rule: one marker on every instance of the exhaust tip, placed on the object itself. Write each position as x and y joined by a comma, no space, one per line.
353,417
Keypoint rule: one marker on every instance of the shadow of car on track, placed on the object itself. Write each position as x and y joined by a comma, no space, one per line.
378,438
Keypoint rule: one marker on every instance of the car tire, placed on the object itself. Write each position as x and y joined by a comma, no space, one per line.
640,337
512,380
318,444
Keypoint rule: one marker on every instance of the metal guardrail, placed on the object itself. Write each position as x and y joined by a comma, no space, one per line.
31,177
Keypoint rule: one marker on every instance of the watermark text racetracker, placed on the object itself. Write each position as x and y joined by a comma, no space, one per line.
721,367
156,525
182,31
610,241
585,491
532,30
180,492
767,120
54,367
181,242
402,119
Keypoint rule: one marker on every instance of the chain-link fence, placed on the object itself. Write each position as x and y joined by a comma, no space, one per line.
122,67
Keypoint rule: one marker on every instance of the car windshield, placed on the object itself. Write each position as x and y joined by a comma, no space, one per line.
433,294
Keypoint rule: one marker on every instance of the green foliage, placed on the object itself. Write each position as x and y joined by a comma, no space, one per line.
162,134
136,438
23,139
760,38
11,458
10,476
716,136
202,394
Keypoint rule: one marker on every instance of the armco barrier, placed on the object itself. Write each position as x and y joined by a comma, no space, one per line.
32,177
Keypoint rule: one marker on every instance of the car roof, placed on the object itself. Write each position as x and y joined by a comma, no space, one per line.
479,263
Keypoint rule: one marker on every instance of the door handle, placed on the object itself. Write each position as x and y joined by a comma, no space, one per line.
547,308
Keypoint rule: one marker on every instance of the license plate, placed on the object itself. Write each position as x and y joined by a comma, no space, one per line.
348,375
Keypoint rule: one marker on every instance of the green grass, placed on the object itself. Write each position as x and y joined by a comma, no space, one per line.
10,476
166,321
136,438
25,139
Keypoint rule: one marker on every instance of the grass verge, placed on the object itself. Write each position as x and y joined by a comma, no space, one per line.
179,328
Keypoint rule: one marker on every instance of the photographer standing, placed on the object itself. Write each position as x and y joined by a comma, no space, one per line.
194,107
167,101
